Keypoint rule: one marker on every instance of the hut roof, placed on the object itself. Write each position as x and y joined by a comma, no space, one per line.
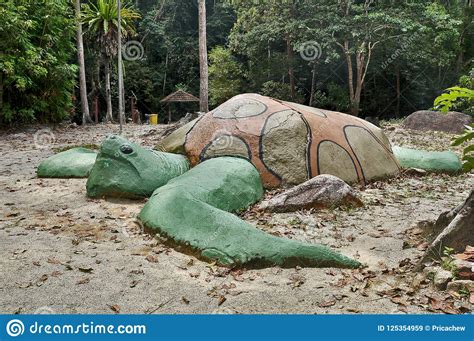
179,96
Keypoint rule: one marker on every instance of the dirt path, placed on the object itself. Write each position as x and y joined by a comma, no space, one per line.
62,252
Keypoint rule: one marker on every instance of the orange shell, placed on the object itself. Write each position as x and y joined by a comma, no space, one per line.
290,143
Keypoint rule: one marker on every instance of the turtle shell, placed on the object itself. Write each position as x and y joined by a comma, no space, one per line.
290,143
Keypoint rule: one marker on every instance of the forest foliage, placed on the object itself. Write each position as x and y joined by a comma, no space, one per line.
381,58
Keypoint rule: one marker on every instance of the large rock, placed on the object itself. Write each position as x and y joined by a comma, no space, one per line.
442,278
323,191
459,285
458,234
72,163
451,122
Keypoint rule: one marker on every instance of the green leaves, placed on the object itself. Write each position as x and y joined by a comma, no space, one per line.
101,18
448,99
36,40
468,152
225,75
444,103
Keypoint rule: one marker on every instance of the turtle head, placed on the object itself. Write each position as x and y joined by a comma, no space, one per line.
125,169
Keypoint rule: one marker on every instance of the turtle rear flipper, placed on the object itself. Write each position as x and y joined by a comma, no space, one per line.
192,211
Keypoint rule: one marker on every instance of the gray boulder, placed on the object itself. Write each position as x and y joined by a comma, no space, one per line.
458,285
459,232
322,191
451,122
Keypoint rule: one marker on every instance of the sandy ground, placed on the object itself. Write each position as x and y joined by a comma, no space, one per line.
61,252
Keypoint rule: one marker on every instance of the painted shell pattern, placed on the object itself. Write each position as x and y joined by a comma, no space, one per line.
290,143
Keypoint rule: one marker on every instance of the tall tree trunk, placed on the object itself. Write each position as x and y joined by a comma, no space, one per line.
359,83
93,95
290,52
269,58
204,72
291,71
313,85
397,74
121,108
96,108
166,72
82,67
1,90
108,92
350,77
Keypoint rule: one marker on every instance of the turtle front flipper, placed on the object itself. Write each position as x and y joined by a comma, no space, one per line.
193,212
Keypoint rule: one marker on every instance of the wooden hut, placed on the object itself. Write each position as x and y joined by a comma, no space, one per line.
178,96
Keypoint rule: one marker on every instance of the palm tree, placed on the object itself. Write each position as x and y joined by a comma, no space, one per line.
101,20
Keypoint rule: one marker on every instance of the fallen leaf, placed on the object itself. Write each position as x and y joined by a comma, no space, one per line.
403,308
84,280
221,300
152,259
53,261
185,300
353,310
399,300
230,286
422,246
326,304
115,308
86,270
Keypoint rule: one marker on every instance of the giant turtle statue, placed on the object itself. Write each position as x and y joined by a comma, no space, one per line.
219,164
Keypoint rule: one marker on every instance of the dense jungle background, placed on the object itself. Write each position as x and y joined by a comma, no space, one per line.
372,58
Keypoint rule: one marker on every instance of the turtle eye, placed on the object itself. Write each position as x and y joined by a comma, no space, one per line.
126,149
